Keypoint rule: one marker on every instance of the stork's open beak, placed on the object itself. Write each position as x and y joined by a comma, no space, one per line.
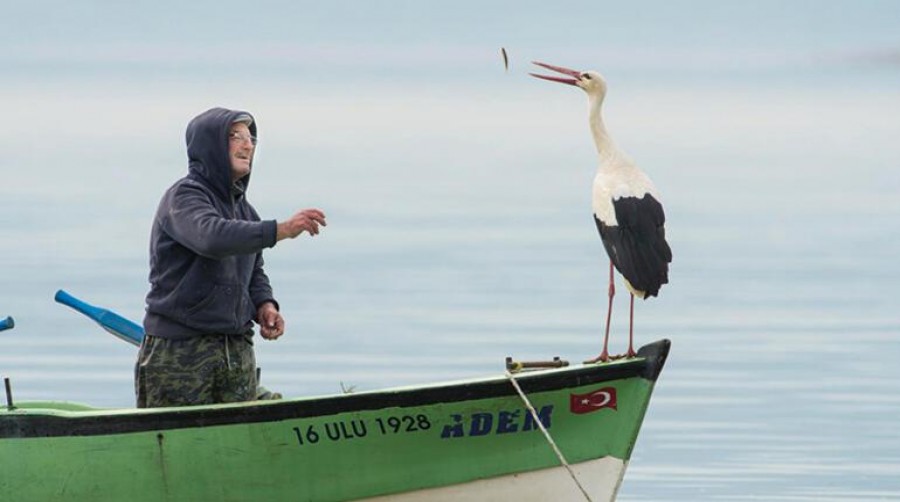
558,69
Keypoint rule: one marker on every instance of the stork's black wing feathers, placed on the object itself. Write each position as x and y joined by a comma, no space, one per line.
637,243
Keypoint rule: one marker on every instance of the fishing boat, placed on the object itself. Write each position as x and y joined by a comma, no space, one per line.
533,434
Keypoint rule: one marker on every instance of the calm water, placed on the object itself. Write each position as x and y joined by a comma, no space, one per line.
460,233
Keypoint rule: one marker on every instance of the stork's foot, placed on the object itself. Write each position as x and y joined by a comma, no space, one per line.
627,355
605,357
602,358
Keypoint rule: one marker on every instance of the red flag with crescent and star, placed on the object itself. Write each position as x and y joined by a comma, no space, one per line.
593,401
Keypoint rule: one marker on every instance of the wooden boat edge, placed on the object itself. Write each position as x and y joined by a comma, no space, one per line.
52,419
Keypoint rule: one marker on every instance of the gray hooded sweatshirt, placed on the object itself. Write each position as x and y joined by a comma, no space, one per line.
206,264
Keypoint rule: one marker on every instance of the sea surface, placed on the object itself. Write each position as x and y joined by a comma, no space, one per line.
460,232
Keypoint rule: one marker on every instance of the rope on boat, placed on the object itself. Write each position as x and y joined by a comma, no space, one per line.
540,425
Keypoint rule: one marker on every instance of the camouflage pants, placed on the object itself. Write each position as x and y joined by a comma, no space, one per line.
201,370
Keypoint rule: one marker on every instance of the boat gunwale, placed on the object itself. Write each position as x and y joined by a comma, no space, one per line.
45,422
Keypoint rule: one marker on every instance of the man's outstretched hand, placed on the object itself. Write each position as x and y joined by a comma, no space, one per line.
307,220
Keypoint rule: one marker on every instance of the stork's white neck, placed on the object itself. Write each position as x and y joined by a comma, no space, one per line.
610,155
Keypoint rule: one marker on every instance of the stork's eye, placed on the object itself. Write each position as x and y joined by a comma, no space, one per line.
585,76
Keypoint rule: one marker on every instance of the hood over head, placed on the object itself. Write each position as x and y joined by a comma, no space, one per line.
207,148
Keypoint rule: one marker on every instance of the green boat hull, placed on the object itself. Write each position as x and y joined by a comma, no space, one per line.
415,440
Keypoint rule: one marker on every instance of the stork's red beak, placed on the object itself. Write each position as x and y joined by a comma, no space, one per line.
558,69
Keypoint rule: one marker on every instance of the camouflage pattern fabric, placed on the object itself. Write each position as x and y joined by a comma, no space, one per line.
200,370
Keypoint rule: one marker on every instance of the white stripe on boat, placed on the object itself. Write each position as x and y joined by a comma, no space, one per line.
601,478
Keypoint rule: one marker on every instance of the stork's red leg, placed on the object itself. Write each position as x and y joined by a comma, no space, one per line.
604,356
631,352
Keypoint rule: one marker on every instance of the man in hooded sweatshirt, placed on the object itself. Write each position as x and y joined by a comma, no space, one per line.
207,283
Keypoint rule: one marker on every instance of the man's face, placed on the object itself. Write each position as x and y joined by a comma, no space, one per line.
240,150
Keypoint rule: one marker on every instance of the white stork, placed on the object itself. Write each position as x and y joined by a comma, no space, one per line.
627,209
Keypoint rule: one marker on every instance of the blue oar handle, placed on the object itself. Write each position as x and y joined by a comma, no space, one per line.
80,306
7,323
107,319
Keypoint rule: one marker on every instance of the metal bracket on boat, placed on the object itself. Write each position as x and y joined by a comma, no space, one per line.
515,366
9,401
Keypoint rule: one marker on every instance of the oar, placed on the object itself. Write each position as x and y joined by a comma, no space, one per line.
129,331
7,323
107,319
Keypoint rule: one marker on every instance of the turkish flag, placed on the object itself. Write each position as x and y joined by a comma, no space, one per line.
593,401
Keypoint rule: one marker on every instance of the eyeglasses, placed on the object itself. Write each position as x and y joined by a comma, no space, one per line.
242,138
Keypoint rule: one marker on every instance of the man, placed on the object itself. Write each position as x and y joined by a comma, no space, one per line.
207,284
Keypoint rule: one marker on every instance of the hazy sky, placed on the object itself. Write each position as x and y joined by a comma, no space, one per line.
408,82
391,38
